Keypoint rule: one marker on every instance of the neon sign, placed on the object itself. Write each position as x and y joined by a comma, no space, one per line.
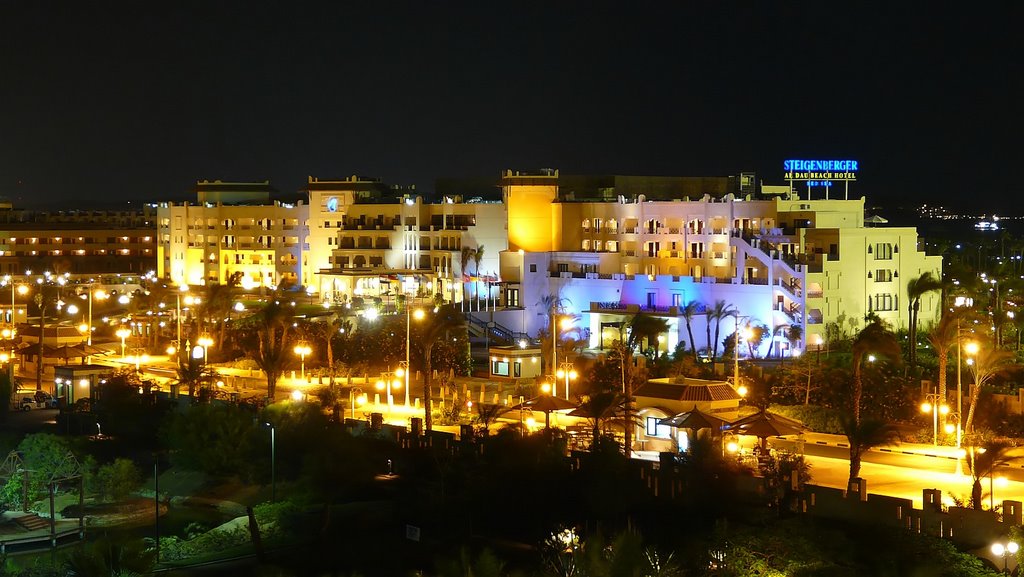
819,172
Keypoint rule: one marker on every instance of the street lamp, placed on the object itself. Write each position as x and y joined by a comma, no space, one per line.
566,371
1005,551
388,381
123,333
273,462
177,316
302,349
353,399
205,342
933,404
404,371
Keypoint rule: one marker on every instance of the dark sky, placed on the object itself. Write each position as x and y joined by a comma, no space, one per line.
112,101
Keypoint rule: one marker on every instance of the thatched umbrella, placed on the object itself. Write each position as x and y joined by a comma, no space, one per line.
547,404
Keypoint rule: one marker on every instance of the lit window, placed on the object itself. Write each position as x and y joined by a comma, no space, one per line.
656,430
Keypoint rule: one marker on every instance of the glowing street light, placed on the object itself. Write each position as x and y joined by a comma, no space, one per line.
388,381
302,350
1005,551
934,404
123,333
568,372
205,342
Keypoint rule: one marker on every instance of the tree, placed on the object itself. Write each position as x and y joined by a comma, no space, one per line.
987,364
600,407
689,311
329,327
194,375
465,255
793,335
646,327
435,327
984,461
478,255
865,435
273,327
916,288
873,338
720,311
944,336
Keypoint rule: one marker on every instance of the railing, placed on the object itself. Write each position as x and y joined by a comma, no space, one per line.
497,331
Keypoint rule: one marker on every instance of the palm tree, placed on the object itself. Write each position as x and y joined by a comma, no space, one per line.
984,461
434,328
478,255
327,329
987,364
793,335
865,435
916,288
194,375
273,328
943,337
465,256
688,312
720,311
600,407
645,327
487,414
874,338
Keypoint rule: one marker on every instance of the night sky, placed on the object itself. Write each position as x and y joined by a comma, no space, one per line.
105,101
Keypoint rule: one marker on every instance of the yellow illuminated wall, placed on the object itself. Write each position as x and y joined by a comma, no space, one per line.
529,203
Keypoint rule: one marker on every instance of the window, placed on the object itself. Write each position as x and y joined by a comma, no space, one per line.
563,267
586,244
613,246
597,246
883,251
533,268
499,368
882,302
677,299
883,275
656,430
597,225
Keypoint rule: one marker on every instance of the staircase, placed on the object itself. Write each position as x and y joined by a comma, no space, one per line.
498,334
32,522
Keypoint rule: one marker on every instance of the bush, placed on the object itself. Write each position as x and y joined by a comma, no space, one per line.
117,480
244,363
817,419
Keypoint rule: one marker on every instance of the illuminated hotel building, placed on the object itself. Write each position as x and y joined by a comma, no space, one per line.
608,251
233,227
345,238
384,245
606,247
79,242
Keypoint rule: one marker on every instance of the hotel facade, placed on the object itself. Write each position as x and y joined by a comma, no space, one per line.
604,248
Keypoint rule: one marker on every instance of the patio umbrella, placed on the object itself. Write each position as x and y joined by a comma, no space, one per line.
547,404
65,352
764,424
90,350
32,350
694,419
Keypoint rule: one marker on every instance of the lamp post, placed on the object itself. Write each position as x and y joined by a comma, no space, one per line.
353,398
568,372
205,342
123,333
404,370
273,462
1005,551
387,382
933,404
302,349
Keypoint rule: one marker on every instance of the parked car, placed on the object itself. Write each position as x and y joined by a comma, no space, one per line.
39,400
